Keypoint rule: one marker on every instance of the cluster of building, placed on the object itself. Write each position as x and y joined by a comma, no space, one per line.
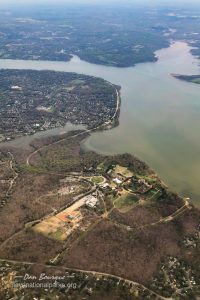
118,181
91,201
44,101
175,278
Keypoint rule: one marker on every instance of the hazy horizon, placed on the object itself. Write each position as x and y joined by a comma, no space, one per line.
103,2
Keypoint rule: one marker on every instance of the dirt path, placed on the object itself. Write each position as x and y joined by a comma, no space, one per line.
171,217
12,181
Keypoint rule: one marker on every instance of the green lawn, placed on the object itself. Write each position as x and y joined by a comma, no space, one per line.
57,235
31,169
97,179
125,202
153,195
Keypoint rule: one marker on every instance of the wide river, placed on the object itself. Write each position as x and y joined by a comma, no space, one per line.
160,115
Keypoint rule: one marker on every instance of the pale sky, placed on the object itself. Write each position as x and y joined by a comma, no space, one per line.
56,2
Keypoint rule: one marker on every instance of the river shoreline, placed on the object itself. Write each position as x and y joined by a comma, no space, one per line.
56,131
159,115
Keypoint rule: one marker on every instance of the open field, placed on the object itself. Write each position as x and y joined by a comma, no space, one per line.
125,202
61,225
123,171
54,228
97,179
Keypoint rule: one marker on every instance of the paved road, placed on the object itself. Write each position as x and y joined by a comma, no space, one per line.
94,273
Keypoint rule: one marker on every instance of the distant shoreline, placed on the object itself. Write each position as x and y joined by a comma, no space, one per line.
189,78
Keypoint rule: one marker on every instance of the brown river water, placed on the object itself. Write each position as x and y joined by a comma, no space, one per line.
159,119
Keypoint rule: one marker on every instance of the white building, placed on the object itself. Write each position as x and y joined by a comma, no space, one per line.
16,88
117,181
91,201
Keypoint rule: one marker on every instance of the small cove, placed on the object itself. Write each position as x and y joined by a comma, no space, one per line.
159,118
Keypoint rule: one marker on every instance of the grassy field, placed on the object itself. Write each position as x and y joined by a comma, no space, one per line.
31,169
153,195
148,179
125,202
97,179
57,235
123,171
52,228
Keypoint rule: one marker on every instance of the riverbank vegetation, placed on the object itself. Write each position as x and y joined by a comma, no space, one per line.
60,214
189,78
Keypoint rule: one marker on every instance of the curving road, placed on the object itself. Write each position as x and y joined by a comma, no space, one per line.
94,273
